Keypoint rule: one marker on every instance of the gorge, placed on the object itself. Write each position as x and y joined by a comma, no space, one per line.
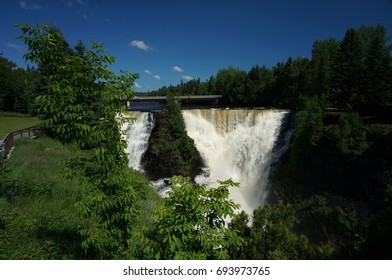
234,143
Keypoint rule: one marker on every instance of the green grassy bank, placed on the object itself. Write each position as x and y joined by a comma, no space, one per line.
38,219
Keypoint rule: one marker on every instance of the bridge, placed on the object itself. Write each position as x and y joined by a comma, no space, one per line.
184,98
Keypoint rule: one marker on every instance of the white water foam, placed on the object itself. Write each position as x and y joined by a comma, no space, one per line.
236,144
137,134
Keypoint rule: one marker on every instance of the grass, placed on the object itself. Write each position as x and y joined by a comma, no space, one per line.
12,123
38,218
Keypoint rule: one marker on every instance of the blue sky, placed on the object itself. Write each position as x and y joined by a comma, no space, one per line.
171,40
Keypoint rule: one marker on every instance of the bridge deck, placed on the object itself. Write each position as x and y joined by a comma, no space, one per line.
182,98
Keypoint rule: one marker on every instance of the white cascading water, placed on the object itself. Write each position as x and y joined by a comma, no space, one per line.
137,134
236,144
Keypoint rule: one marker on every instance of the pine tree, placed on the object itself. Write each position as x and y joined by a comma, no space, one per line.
378,84
323,57
348,71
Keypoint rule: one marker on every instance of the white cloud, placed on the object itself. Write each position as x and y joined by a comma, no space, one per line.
157,77
137,85
86,14
81,2
16,47
148,72
106,19
26,6
140,44
187,78
177,69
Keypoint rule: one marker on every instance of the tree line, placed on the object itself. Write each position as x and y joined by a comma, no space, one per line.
352,74
18,87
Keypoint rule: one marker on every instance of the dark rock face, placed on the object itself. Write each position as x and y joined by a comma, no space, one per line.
171,151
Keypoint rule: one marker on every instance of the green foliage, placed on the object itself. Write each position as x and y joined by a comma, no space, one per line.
313,228
307,131
258,85
192,223
323,57
272,235
348,72
83,104
231,84
328,220
17,87
82,94
38,217
292,82
378,71
351,137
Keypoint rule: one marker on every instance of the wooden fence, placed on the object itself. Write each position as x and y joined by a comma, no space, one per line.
8,142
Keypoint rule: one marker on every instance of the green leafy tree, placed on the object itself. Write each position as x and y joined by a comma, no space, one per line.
231,84
17,87
291,83
192,222
308,128
241,224
352,140
258,84
83,104
272,235
8,90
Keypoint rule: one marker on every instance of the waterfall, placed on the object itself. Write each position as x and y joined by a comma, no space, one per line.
138,132
236,144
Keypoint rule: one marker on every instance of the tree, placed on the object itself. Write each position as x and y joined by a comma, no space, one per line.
348,71
378,73
80,48
211,85
258,83
7,86
230,83
83,104
272,235
307,132
291,84
323,58
192,222
17,87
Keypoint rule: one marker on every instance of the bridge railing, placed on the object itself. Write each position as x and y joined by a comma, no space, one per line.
183,97
8,142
